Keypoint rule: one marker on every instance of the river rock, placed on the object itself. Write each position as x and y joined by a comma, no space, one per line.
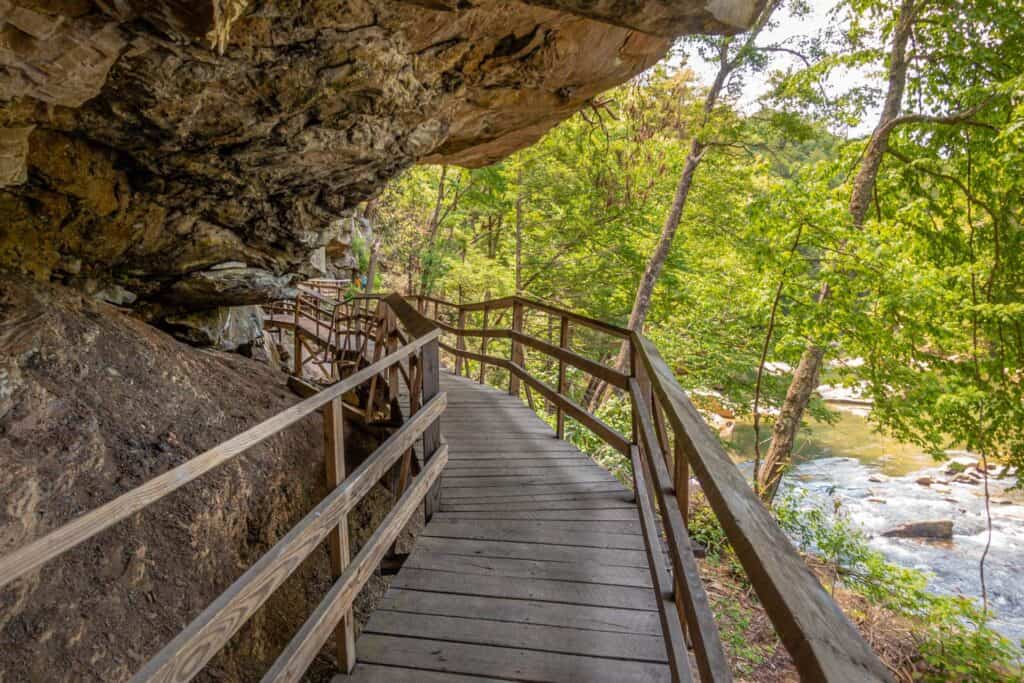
878,478
937,528
965,479
924,481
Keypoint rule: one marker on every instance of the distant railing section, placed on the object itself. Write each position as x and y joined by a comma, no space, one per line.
186,655
669,440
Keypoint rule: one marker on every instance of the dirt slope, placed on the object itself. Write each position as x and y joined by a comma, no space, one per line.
94,402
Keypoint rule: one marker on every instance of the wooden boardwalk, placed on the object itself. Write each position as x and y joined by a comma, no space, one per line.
533,570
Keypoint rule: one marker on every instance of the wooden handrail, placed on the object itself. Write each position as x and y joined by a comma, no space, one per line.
185,656
823,643
192,648
31,556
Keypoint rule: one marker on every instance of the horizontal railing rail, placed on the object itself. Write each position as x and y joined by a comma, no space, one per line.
668,442
186,655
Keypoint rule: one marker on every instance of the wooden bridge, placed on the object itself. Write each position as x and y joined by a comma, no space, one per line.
535,563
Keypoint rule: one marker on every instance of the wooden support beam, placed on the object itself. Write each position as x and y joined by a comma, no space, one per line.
430,373
291,665
460,344
517,347
564,340
334,459
191,649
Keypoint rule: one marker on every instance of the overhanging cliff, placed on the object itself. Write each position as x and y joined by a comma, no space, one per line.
198,152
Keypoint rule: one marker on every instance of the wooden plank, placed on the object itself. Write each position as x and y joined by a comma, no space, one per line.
823,643
525,446
498,465
623,513
549,552
568,529
607,494
527,665
532,533
334,459
583,476
500,492
374,673
188,652
292,663
540,590
584,617
579,503
530,569
18,563
626,646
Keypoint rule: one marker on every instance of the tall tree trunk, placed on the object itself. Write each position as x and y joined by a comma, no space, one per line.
805,377
519,241
371,268
642,302
645,290
432,226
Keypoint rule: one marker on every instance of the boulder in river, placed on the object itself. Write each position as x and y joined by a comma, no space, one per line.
936,528
924,481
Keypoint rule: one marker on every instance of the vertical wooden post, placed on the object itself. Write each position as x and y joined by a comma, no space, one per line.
460,344
297,348
682,480
483,345
563,343
334,458
517,348
392,346
431,377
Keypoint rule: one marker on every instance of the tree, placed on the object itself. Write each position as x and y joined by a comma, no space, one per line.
948,105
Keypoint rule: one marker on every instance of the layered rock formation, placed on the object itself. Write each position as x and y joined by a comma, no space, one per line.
145,144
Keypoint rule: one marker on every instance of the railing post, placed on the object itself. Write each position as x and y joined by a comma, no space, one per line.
297,346
483,344
563,343
334,458
517,348
431,377
392,346
460,344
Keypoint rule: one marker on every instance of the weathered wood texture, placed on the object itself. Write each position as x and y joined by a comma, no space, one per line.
524,592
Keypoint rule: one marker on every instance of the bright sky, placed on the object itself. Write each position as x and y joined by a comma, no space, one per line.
790,29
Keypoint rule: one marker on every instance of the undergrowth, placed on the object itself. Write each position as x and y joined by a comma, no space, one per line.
952,635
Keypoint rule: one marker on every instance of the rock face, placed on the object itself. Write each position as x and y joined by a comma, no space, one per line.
935,529
93,402
145,142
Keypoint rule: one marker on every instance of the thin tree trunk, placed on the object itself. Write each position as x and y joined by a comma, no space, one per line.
805,377
519,239
432,226
371,268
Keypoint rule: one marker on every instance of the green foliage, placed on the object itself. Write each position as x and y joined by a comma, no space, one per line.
954,638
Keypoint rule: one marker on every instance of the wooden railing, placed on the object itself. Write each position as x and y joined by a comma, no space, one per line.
669,440
188,653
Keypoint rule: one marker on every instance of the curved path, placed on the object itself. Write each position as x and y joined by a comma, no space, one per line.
533,570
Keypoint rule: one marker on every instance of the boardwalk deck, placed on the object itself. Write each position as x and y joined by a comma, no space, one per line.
533,570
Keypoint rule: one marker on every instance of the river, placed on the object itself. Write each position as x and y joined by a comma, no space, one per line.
876,480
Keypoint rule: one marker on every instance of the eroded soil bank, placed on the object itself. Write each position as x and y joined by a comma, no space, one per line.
94,402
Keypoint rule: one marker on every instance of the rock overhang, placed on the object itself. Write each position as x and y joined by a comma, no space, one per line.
144,142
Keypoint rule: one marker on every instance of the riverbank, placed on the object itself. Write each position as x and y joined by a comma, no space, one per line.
878,484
